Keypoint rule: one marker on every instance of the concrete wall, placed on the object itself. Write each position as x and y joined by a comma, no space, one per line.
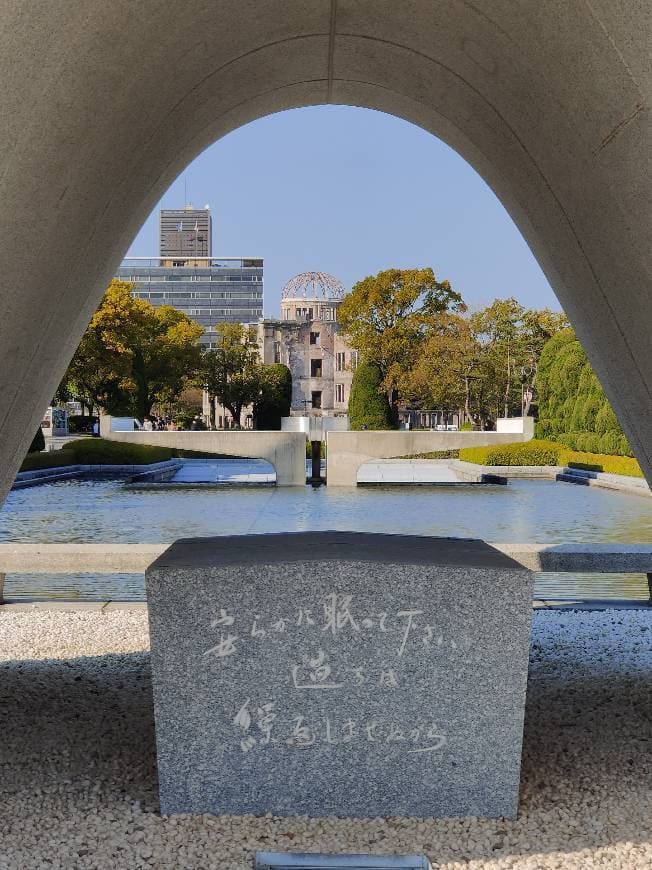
347,451
100,112
286,451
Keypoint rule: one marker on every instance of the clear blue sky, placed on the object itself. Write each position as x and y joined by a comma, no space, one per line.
353,191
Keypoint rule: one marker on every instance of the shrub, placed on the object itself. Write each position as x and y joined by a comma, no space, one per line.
368,404
573,408
98,451
533,452
276,397
610,443
38,442
624,449
433,454
466,427
608,464
53,459
550,453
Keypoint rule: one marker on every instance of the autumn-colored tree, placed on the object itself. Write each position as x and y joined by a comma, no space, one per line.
443,372
133,354
510,339
231,373
385,317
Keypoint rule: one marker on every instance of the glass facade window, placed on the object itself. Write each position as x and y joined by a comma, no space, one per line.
339,393
153,274
340,361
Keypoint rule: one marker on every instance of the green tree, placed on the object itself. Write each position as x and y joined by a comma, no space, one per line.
573,408
441,376
385,317
231,373
368,404
38,442
275,399
510,339
133,354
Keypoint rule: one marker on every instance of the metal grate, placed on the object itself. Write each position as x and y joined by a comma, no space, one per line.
308,861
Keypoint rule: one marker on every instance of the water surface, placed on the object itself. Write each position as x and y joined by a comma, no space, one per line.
542,511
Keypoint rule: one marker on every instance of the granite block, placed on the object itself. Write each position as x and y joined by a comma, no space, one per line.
335,673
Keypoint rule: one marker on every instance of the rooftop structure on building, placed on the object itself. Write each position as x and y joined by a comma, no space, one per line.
209,290
185,232
311,296
307,339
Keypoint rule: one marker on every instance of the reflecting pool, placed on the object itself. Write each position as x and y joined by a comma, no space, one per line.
83,511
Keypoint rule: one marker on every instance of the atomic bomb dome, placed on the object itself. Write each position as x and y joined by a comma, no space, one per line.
311,296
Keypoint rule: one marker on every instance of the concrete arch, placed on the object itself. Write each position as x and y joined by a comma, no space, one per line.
100,112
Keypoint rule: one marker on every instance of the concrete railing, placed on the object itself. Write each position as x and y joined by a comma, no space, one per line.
347,451
135,558
286,451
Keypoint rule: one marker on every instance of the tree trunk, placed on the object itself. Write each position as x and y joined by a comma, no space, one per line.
508,383
467,399
235,411
143,403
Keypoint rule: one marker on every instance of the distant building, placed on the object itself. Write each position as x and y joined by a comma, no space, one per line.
185,232
209,290
306,338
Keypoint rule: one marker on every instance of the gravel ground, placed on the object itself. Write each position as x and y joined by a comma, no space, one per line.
78,775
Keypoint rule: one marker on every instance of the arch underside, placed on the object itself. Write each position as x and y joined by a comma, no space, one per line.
100,113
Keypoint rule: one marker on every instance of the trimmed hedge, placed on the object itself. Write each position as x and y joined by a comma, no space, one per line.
98,451
538,452
34,461
433,454
610,464
533,452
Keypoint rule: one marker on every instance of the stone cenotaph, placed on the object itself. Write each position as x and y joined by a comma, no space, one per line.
339,673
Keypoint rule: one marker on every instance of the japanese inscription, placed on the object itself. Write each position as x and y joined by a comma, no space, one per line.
321,628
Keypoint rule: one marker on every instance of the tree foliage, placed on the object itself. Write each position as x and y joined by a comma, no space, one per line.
510,340
38,442
133,355
368,403
275,398
385,317
483,364
231,373
573,408
430,352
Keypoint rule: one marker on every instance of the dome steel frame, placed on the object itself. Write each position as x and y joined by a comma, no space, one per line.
324,286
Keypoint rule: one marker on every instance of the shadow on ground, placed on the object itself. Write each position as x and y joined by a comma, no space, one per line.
78,776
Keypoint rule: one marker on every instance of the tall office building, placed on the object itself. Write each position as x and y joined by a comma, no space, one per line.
185,232
209,290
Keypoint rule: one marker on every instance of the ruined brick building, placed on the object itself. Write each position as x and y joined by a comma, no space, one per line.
307,339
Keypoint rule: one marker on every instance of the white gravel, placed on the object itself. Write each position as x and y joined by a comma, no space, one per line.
78,775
